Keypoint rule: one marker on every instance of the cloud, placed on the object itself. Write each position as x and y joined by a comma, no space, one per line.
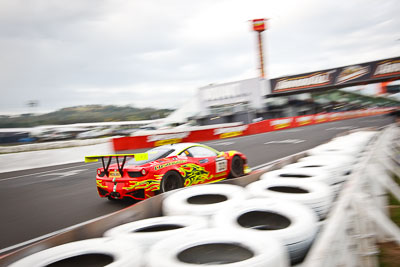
157,53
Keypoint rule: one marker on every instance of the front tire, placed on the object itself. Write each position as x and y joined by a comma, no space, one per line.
171,181
237,167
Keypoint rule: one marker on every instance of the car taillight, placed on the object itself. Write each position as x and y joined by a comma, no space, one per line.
136,174
100,173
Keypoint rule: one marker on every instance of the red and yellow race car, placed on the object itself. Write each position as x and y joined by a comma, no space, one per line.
143,175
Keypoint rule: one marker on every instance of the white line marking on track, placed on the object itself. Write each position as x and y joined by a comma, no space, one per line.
340,128
294,130
32,174
372,121
222,143
62,175
264,165
287,141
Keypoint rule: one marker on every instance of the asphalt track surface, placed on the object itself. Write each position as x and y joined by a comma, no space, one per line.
39,201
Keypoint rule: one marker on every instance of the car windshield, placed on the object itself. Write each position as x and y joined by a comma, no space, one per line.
154,154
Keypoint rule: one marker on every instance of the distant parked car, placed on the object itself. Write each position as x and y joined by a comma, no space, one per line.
52,135
95,133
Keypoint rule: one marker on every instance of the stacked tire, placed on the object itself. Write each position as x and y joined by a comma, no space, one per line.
218,247
203,200
305,175
352,145
100,251
315,195
295,225
147,232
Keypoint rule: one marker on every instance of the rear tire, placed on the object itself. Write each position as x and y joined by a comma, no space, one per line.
237,167
171,181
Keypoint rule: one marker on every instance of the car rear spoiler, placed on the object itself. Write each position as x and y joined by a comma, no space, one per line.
137,157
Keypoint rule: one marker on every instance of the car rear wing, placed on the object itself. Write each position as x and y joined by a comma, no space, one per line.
137,157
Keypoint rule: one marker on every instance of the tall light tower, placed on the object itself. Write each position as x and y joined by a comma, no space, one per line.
259,25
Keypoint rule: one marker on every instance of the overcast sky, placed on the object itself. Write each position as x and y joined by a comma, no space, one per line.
156,53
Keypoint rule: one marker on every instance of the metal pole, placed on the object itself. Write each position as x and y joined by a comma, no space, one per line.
260,48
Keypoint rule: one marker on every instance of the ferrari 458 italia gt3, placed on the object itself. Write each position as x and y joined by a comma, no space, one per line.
165,168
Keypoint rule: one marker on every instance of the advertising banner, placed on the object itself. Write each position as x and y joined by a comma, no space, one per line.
259,25
303,120
279,124
339,77
320,118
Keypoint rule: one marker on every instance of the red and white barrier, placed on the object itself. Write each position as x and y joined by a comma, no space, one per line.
223,131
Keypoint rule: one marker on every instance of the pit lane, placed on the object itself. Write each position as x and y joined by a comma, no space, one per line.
36,202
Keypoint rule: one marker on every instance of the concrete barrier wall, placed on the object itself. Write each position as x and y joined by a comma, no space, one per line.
52,145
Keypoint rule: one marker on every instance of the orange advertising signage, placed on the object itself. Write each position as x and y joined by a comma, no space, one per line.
259,25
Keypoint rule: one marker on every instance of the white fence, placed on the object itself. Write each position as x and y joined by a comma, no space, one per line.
359,219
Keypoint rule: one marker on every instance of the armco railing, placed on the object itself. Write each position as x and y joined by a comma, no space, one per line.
359,219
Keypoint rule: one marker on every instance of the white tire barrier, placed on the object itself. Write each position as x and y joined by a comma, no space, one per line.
337,167
292,223
149,231
101,251
324,164
218,247
345,163
361,138
302,174
317,196
203,200
341,148
352,144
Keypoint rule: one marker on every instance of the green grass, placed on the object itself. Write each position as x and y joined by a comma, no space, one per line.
394,209
394,205
389,255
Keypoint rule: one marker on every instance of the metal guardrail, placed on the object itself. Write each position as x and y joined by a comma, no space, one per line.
359,219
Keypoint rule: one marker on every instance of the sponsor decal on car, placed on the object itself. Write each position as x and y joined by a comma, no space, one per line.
148,184
114,174
202,161
194,174
221,165
99,183
161,166
220,174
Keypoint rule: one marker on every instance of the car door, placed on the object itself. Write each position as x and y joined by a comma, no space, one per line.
207,161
